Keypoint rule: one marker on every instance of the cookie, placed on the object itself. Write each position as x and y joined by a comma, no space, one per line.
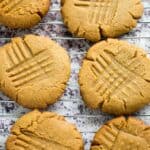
115,76
33,71
122,134
44,131
22,13
92,19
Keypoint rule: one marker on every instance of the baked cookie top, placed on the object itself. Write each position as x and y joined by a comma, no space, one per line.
33,70
122,134
44,131
115,76
22,13
92,19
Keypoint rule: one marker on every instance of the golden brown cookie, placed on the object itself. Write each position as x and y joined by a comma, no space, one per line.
122,134
33,70
92,19
115,76
44,131
22,13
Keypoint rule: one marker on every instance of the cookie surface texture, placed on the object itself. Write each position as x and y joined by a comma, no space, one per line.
33,70
92,19
22,13
44,131
122,134
115,76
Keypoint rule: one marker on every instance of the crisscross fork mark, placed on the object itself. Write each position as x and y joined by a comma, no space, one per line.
112,75
27,140
30,71
99,10
23,141
82,3
109,136
110,13
103,12
87,3
108,75
9,5
26,67
18,53
94,8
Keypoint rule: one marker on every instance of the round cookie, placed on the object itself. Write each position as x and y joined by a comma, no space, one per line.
44,131
34,71
115,76
22,13
122,134
92,19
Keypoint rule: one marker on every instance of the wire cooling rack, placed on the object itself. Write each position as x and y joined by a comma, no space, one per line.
70,105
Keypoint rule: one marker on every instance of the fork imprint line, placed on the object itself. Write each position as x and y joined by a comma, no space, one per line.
111,75
26,66
8,5
24,141
109,136
99,10
30,141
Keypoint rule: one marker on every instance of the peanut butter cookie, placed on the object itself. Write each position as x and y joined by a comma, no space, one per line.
33,71
122,134
44,131
22,13
115,76
92,19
